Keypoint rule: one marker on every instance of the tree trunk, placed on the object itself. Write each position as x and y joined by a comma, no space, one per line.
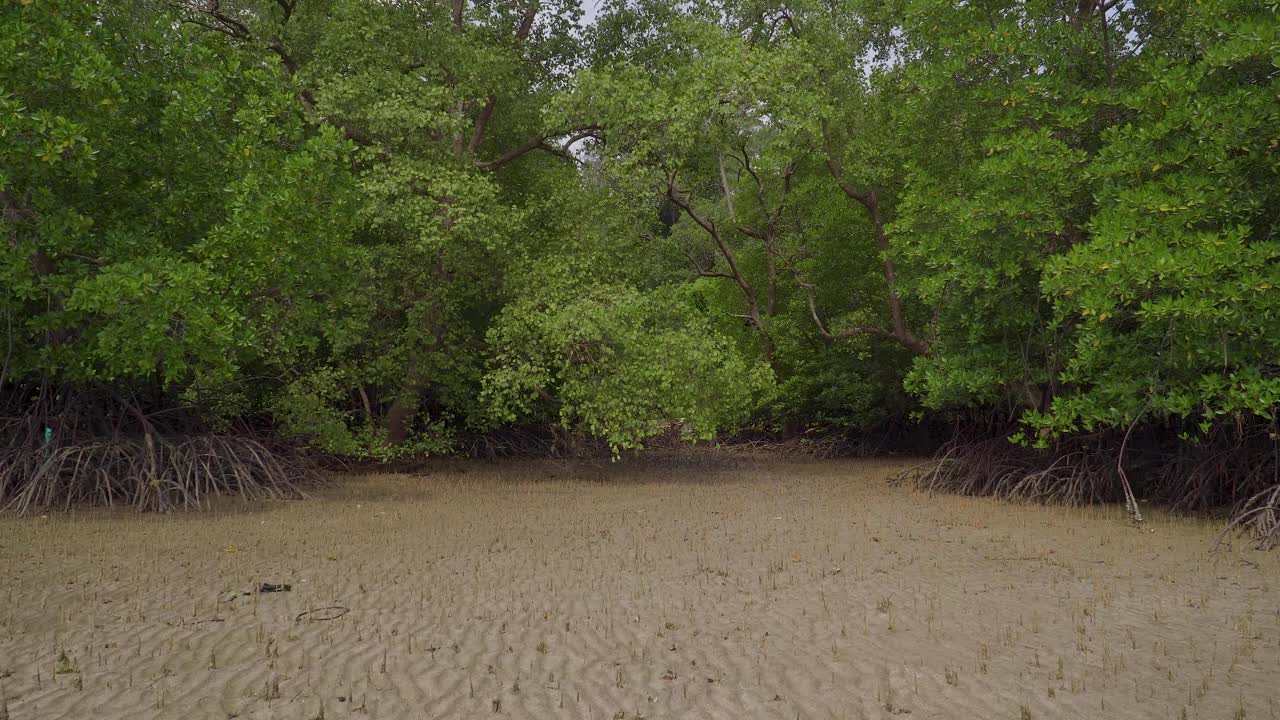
398,418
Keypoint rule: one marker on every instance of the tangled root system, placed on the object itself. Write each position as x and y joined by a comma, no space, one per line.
61,447
148,473
1232,474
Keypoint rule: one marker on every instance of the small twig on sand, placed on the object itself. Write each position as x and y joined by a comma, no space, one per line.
333,612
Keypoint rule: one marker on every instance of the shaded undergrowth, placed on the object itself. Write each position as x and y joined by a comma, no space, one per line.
1233,472
61,447
541,442
65,447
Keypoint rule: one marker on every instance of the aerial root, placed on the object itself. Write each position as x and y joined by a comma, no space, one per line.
1236,475
1257,517
149,473
996,468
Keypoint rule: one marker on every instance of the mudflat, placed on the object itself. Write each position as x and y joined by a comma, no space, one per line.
698,589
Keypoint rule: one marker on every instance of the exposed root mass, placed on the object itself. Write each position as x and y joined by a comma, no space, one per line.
1237,474
67,447
150,473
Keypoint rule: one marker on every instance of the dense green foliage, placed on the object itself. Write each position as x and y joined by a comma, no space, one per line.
384,226
171,219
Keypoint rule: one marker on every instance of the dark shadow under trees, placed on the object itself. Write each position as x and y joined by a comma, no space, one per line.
1233,470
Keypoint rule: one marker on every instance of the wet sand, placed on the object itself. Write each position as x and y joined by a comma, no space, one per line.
703,590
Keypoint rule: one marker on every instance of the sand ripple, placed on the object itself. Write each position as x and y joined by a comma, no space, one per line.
777,590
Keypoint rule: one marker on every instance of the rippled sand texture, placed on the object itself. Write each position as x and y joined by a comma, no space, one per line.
755,590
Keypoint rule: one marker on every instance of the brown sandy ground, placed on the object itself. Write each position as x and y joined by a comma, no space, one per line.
737,590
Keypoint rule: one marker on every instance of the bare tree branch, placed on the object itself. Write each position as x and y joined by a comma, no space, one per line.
677,196
526,22
539,142
218,21
912,344
456,9
698,269
486,113
837,172
773,217
724,183
869,199
482,122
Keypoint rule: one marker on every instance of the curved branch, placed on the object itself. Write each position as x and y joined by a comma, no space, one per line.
539,142
907,340
219,21
698,269
709,225
870,200
486,113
